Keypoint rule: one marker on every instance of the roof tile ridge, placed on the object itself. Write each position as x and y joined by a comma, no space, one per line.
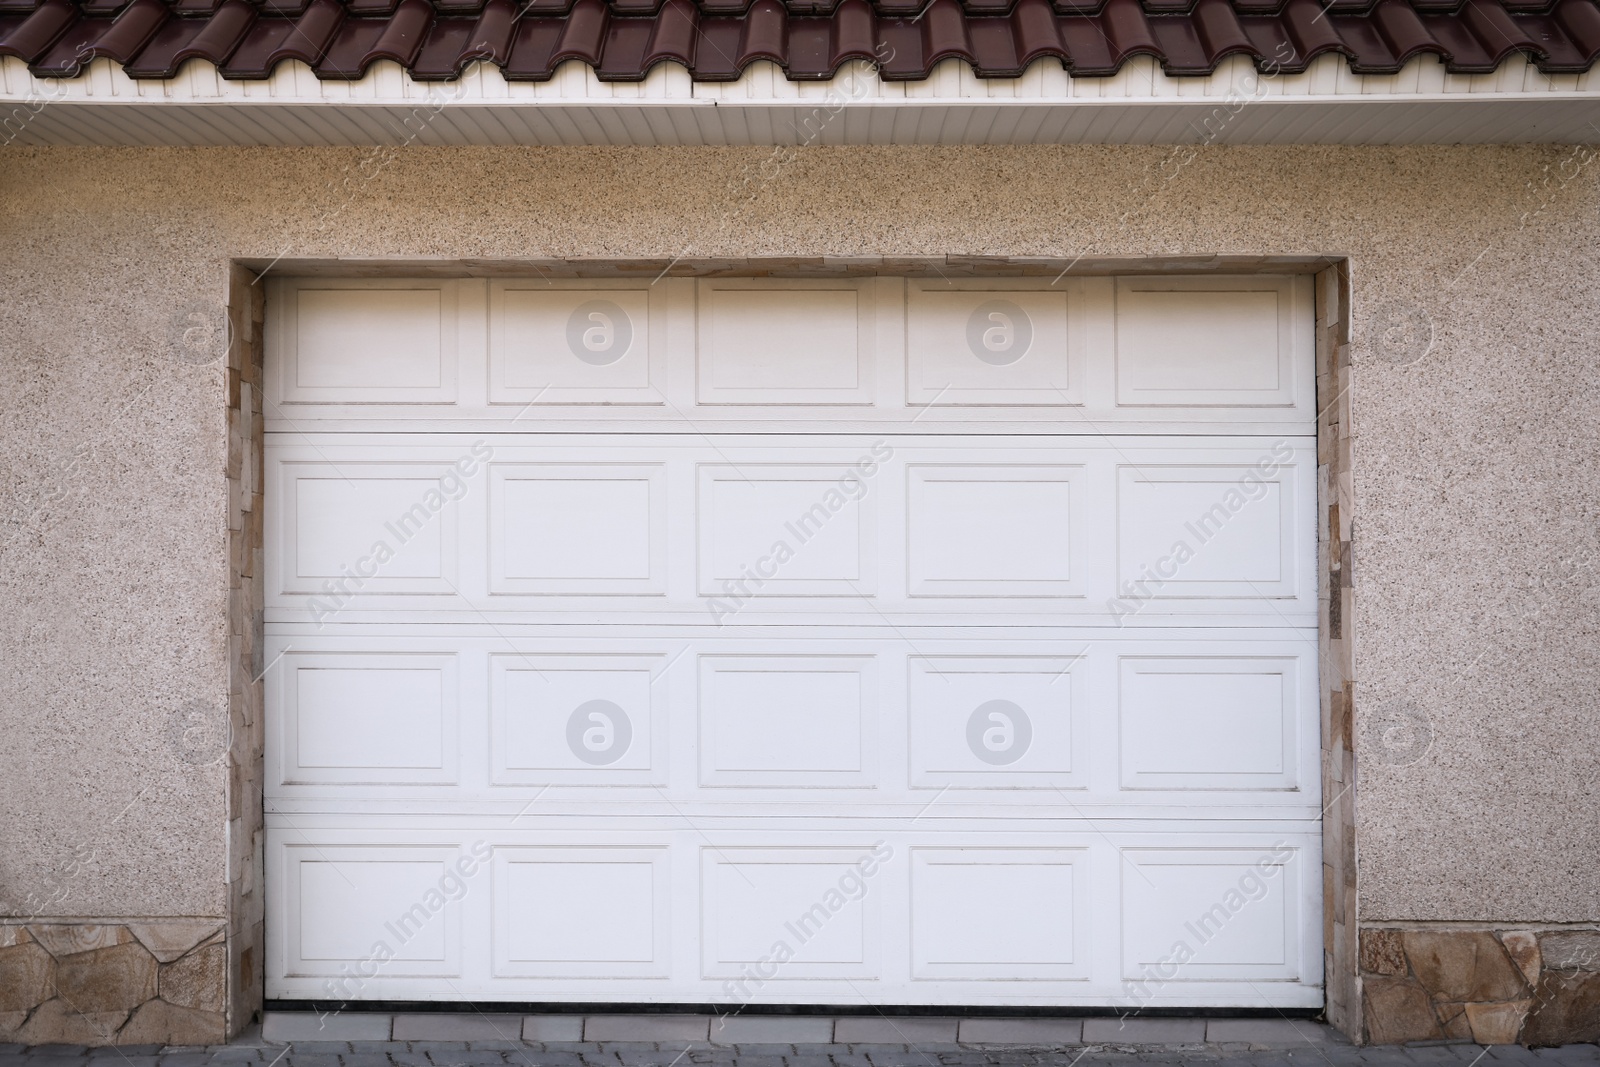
402,38
943,26
491,34
583,33
1404,33
1036,33
217,38
763,34
314,30
673,35
38,31
1220,31
1580,19
855,33
1128,29
1312,32
1494,27
120,41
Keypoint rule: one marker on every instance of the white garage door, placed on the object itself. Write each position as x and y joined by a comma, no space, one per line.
723,641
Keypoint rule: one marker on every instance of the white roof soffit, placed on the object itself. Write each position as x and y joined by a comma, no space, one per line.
1327,104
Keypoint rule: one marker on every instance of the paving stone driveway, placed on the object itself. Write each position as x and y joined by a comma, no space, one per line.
256,1053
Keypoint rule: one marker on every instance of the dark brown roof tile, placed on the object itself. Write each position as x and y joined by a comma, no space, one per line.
119,39
1309,31
1575,37
272,40
361,42
1129,33
190,8
31,36
183,39
1221,33
455,42
811,39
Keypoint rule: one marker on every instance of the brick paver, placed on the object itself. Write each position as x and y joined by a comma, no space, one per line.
482,1053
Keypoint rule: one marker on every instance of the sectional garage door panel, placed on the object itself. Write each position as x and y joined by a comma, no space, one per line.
1154,724
835,528
723,641
881,915
1161,354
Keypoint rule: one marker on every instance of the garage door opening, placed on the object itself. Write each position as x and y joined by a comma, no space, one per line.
863,641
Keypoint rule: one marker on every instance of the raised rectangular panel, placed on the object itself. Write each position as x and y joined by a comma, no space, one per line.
554,344
990,346
1206,342
597,912
998,913
787,720
358,527
1214,722
773,530
368,717
1205,530
577,719
577,529
366,341
1201,914
784,343
338,520
997,722
819,904
992,531
394,909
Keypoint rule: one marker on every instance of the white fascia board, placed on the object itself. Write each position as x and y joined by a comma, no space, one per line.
1422,104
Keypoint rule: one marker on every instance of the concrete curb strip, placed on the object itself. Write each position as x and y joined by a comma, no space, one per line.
278,1028
1021,1032
282,1026
1266,1032
647,1028
552,1028
771,1030
446,1027
1144,1031
882,1030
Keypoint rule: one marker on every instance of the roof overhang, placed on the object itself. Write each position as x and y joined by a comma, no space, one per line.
1236,104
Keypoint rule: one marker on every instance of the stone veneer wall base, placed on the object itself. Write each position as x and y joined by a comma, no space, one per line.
1495,986
159,982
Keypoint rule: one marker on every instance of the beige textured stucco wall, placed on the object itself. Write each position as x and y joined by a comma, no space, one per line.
1477,496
